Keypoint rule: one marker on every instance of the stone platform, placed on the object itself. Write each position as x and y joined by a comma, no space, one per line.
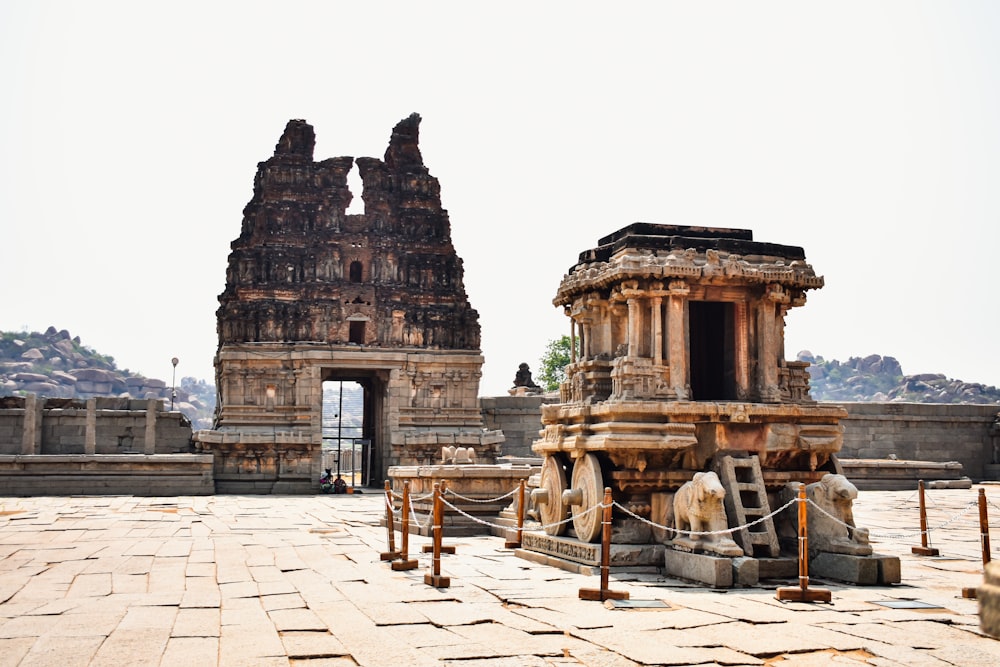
900,474
107,474
297,580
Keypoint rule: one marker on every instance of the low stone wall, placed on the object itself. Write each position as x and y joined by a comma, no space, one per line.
922,432
103,475
101,425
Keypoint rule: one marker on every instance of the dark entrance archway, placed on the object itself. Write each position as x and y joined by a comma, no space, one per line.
354,437
713,353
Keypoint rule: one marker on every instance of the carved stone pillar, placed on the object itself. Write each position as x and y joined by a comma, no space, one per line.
149,445
90,432
633,328
676,338
31,434
742,352
769,338
572,340
657,332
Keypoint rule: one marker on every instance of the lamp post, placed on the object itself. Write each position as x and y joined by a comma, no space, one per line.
173,384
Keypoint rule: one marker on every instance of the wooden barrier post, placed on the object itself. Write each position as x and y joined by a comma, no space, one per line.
405,562
802,592
984,527
444,548
604,593
434,578
923,549
520,518
971,592
390,526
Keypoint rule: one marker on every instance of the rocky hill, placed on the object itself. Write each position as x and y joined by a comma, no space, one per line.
56,364
881,379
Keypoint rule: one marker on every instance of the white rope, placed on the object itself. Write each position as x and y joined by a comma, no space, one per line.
540,527
416,518
480,500
896,536
727,531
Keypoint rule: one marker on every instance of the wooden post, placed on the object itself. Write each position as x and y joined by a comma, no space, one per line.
923,549
802,592
604,593
445,548
405,563
984,527
520,518
390,526
971,592
434,578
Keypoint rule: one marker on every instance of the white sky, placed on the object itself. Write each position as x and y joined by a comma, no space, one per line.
866,132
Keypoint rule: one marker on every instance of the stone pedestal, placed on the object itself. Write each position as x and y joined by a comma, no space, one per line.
874,570
480,491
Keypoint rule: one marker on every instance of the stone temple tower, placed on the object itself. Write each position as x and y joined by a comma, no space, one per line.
314,294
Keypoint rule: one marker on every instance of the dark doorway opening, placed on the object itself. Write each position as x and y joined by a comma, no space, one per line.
713,350
357,332
351,422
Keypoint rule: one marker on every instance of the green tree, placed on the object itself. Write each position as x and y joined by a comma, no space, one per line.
553,363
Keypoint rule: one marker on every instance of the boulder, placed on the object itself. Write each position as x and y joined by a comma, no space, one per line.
63,378
29,377
94,375
42,388
34,353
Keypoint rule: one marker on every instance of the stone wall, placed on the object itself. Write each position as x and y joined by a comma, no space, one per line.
914,431
922,432
519,417
39,426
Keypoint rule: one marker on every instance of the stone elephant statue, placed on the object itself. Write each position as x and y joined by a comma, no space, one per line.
831,526
699,507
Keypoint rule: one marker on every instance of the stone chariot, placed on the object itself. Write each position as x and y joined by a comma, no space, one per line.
677,368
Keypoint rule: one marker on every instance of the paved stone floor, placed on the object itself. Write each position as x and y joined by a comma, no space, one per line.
251,580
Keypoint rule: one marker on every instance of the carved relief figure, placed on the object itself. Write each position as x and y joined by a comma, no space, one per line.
698,506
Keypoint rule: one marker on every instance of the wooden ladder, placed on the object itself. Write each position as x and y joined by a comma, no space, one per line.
746,501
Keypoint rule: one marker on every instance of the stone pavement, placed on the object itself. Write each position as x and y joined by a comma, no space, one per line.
279,580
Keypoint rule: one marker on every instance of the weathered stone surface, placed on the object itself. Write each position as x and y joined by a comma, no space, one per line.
711,570
870,570
314,293
989,600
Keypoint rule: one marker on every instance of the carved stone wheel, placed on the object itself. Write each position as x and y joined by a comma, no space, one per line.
588,479
553,480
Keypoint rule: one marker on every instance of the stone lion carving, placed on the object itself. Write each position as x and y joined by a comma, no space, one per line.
698,506
835,495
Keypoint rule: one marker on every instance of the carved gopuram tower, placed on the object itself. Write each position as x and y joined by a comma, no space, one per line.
314,294
681,361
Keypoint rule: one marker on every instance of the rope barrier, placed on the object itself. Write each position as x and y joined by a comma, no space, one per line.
727,531
895,536
480,500
503,527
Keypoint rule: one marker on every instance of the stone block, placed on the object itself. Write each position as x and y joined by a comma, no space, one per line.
746,571
989,600
711,570
777,568
871,570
